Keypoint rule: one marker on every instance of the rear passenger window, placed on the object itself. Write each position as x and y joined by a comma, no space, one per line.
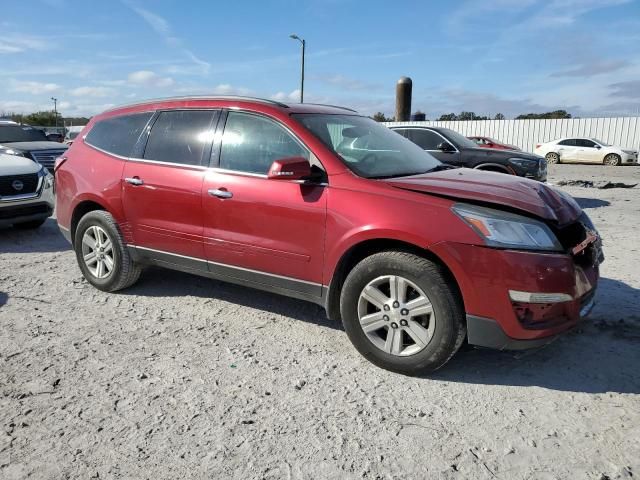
570,142
118,135
181,136
251,144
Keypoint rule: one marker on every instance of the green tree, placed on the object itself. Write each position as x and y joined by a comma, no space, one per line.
41,118
448,117
554,114
380,117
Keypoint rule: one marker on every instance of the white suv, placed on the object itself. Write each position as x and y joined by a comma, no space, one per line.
26,192
585,150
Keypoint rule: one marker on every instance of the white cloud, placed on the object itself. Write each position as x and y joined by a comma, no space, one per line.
287,97
148,78
11,43
91,92
156,22
226,89
162,27
347,83
34,88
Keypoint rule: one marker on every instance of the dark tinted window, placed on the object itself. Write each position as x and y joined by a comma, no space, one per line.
583,142
21,133
118,135
401,131
425,139
180,136
570,142
251,144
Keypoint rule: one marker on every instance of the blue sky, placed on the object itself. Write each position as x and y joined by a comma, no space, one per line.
487,56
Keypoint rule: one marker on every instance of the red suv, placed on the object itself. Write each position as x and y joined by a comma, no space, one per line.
320,203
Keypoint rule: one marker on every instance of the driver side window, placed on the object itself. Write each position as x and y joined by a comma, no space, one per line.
251,143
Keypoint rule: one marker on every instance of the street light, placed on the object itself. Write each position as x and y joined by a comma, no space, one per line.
301,40
55,109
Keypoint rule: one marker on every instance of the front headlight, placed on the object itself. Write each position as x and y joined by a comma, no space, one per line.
507,230
11,151
525,163
47,177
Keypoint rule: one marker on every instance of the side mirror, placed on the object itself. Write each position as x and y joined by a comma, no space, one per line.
293,168
598,146
445,147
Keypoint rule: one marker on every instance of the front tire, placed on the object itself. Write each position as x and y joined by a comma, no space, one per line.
402,312
102,254
612,159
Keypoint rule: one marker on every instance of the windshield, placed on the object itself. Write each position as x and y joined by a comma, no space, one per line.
604,144
21,133
457,139
368,148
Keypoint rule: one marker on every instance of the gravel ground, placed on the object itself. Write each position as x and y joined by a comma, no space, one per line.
184,377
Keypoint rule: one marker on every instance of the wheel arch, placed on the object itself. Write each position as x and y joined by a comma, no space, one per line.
364,248
80,210
494,167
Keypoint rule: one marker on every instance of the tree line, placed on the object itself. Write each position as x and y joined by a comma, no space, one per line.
45,119
466,116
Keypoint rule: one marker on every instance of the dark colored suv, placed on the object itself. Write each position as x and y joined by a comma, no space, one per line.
455,149
322,204
30,142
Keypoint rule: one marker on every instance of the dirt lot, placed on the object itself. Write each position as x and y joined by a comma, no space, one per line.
183,377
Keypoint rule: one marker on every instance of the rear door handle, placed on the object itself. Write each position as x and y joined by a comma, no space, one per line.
217,192
134,180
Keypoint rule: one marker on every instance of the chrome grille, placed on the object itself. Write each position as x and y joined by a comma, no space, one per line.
47,157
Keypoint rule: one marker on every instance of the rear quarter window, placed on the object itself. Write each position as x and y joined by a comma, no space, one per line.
118,135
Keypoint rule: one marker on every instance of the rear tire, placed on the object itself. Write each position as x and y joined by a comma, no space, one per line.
552,158
29,225
102,254
612,159
427,340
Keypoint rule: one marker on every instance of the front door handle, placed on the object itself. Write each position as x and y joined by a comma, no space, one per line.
134,180
220,193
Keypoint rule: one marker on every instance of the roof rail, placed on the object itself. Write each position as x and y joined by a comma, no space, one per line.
332,106
202,97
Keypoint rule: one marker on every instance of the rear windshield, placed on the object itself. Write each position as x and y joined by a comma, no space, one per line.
369,149
21,133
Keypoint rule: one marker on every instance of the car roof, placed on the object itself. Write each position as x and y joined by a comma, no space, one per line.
223,101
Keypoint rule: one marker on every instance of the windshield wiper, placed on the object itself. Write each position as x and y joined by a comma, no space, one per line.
442,166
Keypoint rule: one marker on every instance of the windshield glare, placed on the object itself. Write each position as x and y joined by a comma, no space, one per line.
369,149
21,133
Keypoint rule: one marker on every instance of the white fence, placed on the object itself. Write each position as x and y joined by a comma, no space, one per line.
620,131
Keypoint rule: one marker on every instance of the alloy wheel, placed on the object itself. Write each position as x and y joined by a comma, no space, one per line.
396,315
97,252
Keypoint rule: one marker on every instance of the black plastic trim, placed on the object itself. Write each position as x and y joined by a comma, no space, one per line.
287,286
485,332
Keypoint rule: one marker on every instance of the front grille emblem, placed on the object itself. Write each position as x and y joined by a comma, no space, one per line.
17,185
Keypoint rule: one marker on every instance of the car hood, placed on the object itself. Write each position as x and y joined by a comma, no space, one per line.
529,196
31,146
12,165
501,154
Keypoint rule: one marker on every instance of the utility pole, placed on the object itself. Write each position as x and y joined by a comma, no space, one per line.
302,41
55,109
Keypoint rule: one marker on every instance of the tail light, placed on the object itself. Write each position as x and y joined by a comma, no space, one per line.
538,145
